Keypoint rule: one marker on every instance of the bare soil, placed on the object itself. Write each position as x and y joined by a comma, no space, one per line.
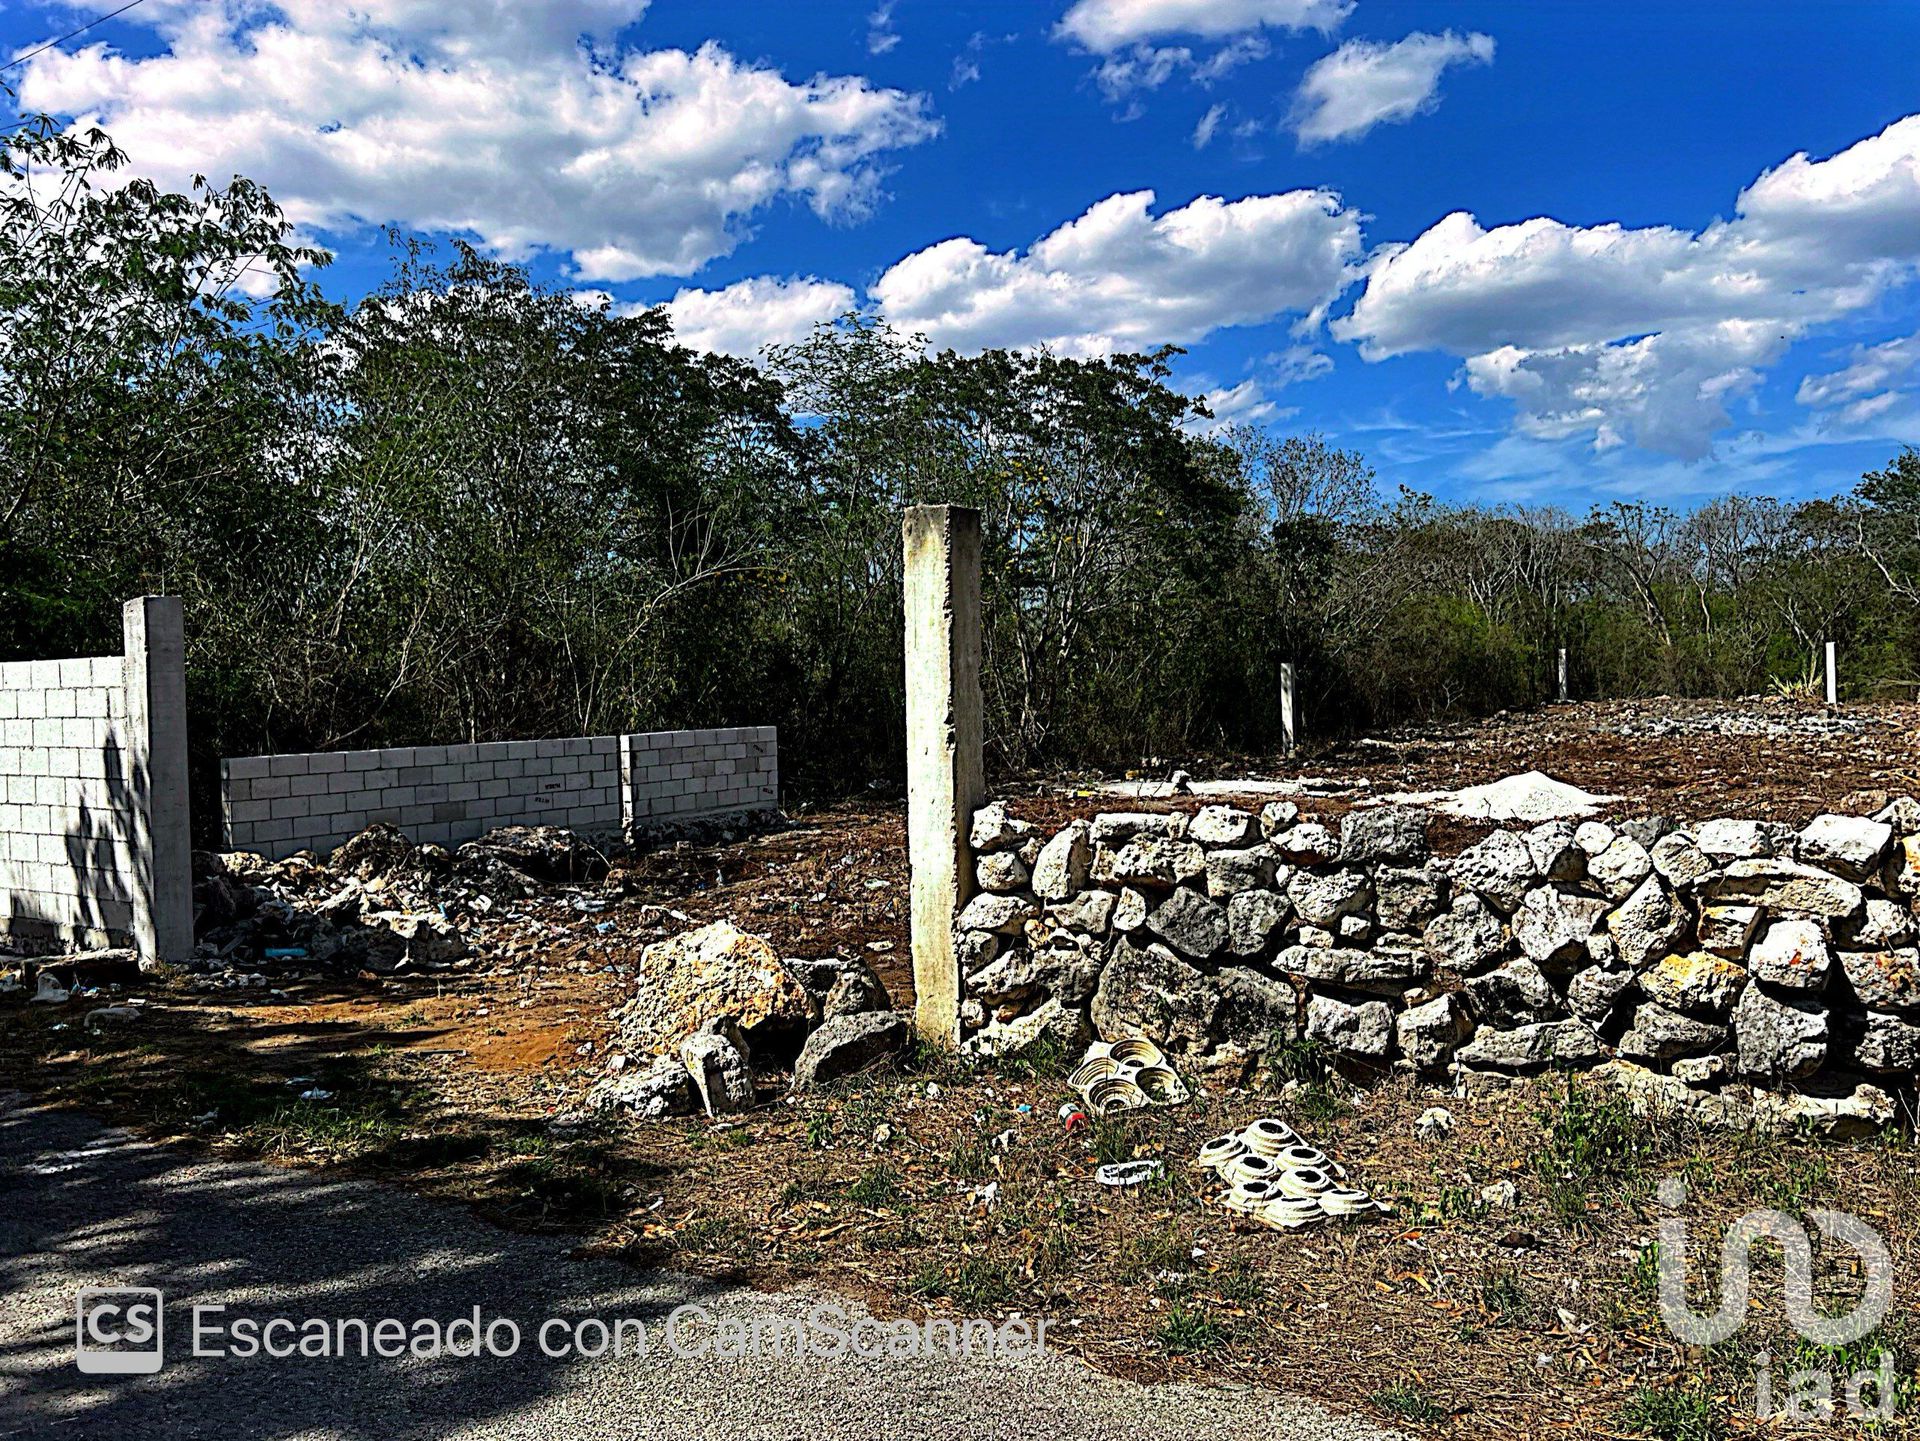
939,1189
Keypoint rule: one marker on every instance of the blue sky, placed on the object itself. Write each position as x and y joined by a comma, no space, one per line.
1537,252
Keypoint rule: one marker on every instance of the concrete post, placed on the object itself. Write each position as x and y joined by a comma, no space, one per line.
1833,678
1563,673
945,776
1289,737
155,676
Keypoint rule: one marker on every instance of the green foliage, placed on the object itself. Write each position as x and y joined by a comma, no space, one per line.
1673,1414
1410,1404
472,507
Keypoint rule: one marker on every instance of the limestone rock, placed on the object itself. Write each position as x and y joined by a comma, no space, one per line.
428,939
1593,837
1061,1026
1256,1013
846,1045
1466,937
1193,925
1513,994
1660,1034
1679,860
1542,1043
1230,872
1851,845
1728,930
846,985
1648,1093
1116,828
1883,1042
1702,1070
1592,993
1428,1033
1735,840
1130,912
662,1089
1383,833
1792,954
1883,925
1555,855
1307,844
1156,863
1552,925
1365,1030
706,974
1323,900
1277,816
1786,887
1001,871
1376,970
1004,915
1061,869
1252,919
720,1065
1499,869
1405,900
1090,912
1697,983
1620,868
1150,991
1647,924
1222,826
1841,1107
1884,980
994,830
1778,1040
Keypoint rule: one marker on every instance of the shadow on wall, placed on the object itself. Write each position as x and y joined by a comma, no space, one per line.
106,885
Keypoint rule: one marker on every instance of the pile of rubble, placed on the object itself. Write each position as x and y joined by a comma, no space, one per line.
378,903
1775,725
713,1006
1739,968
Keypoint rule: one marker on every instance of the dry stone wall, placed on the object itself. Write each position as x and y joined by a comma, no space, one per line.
1728,955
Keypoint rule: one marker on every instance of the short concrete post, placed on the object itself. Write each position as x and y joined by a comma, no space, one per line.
155,676
1563,673
945,776
1289,737
1833,678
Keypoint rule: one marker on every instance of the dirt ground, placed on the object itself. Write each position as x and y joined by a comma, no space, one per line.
935,1188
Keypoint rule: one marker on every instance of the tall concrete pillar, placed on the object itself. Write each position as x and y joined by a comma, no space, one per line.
1563,673
1833,677
945,776
1289,737
155,676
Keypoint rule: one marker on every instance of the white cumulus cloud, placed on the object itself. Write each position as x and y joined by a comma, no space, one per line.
1364,84
1646,335
1104,26
749,314
531,127
1121,278
1869,384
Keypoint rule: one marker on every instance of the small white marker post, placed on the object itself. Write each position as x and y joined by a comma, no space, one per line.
1563,674
1833,678
1287,733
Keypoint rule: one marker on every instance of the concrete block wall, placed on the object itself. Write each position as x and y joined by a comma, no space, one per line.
93,803
682,775
280,804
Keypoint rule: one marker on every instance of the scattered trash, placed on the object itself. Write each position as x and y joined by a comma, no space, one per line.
316,1094
1501,1195
49,992
988,1195
284,953
112,1016
1130,1173
1275,1178
1072,1117
1435,1124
